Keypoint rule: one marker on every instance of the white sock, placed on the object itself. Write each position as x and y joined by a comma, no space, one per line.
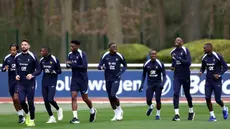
52,116
20,112
177,111
224,107
151,106
92,110
212,114
158,112
31,120
190,110
115,111
75,114
119,108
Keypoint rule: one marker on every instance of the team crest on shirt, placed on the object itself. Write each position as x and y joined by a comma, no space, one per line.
28,59
116,59
156,67
214,60
51,62
77,57
181,53
107,58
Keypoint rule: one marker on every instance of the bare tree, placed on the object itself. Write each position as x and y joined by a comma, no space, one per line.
226,20
66,25
211,23
191,19
161,21
114,21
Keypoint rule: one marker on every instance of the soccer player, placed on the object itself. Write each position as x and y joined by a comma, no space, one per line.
216,67
27,68
181,61
9,65
51,68
77,61
156,80
111,64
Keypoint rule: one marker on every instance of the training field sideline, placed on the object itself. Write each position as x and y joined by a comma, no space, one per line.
134,118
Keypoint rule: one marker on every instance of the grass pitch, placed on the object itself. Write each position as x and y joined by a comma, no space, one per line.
134,118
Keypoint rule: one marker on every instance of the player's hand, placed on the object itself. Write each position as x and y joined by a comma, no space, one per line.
29,76
200,74
6,67
17,77
68,62
140,88
172,68
216,76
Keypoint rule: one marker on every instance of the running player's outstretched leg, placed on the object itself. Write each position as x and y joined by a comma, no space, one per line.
177,87
208,94
149,97
186,87
158,91
217,92
93,111
75,119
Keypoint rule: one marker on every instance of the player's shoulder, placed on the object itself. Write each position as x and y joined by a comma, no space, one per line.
172,51
6,57
185,49
32,55
217,55
160,63
120,55
42,59
54,58
147,62
105,54
18,55
204,56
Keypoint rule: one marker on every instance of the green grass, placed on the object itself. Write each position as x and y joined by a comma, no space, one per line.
134,118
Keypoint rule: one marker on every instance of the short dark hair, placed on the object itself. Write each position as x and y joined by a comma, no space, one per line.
76,42
209,44
26,40
111,44
14,45
47,48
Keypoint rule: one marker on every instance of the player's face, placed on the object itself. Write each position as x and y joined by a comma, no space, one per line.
153,55
113,48
74,47
207,49
178,42
44,52
25,46
13,51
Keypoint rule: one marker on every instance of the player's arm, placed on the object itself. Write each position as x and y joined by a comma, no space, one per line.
4,66
164,75
38,69
123,62
203,67
187,61
224,66
58,68
173,65
143,78
101,63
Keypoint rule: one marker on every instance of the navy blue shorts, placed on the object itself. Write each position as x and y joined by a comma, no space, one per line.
13,89
79,87
26,91
112,88
215,86
151,90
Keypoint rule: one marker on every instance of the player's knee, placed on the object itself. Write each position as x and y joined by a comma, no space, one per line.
218,101
208,100
85,99
176,95
74,98
158,101
149,102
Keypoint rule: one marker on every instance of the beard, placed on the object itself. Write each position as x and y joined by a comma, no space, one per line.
24,50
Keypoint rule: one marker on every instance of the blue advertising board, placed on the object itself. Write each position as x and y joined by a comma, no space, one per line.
129,85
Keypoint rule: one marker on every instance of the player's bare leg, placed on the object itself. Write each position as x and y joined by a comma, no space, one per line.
75,119
18,108
209,105
93,111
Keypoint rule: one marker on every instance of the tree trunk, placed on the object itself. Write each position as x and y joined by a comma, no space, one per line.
114,21
66,26
211,23
226,20
191,20
161,22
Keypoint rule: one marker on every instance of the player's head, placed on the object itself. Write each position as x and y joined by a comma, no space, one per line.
45,51
153,54
113,47
13,49
208,48
74,45
179,42
25,45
